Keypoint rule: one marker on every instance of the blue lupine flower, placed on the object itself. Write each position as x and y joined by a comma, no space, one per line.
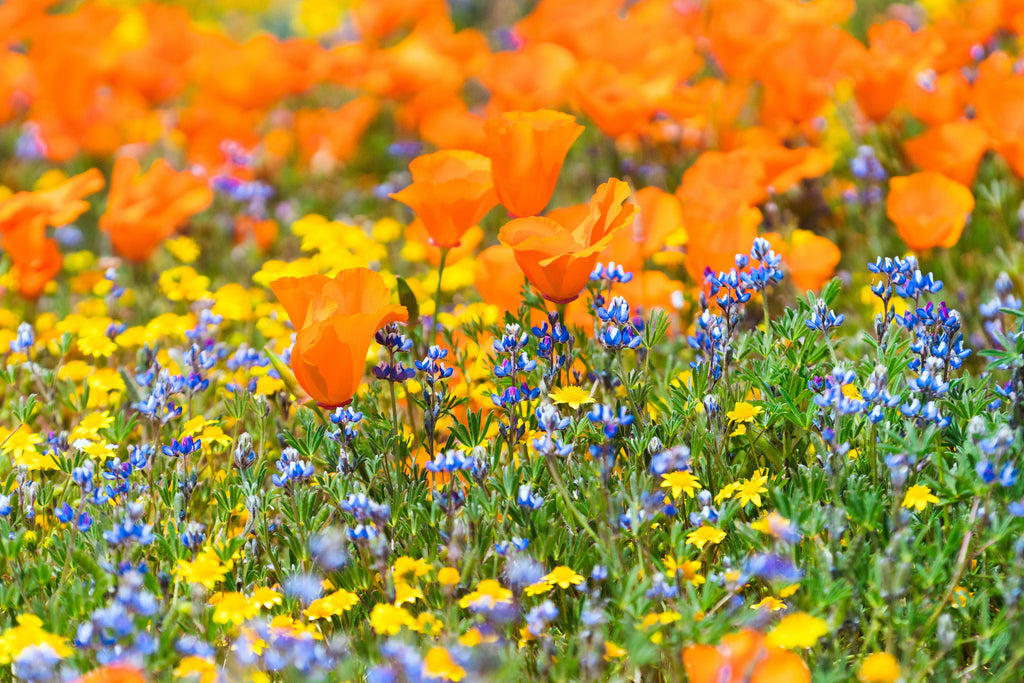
610,274
823,318
528,499
25,339
186,446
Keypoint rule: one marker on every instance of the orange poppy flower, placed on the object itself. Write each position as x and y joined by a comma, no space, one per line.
566,22
952,149
144,210
896,53
264,231
328,137
615,101
999,101
784,167
55,207
335,320
659,214
113,673
929,209
799,74
450,124
527,150
451,191
498,277
649,290
716,237
375,19
532,78
743,657
35,258
558,260
938,100
812,260
725,180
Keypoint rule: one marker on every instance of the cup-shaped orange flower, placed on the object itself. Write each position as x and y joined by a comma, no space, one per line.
451,191
527,150
953,149
35,258
335,320
743,656
558,260
929,209
55,207
144,210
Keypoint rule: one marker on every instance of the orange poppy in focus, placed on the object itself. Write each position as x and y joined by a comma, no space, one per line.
743,657
451,191
335,320
557,260
527,150
929,209
113,673
144,210
952,149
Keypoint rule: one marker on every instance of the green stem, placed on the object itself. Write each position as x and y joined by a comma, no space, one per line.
767,324
437,296
564,492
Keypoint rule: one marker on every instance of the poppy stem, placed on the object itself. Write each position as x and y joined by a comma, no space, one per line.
437,296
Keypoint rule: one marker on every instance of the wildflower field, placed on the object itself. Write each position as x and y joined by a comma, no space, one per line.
509,340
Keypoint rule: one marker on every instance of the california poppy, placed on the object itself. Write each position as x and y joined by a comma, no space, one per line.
953,149
335,320
743,657
527,150
557,260
532,78
55,207
727,180
328,137
999,102
144,210
498,277
263,231
616,101
884,70
812,259
929,209
35,258
450,193
660,214
113,673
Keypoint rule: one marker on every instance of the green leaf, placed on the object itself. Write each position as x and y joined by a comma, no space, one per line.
408,299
